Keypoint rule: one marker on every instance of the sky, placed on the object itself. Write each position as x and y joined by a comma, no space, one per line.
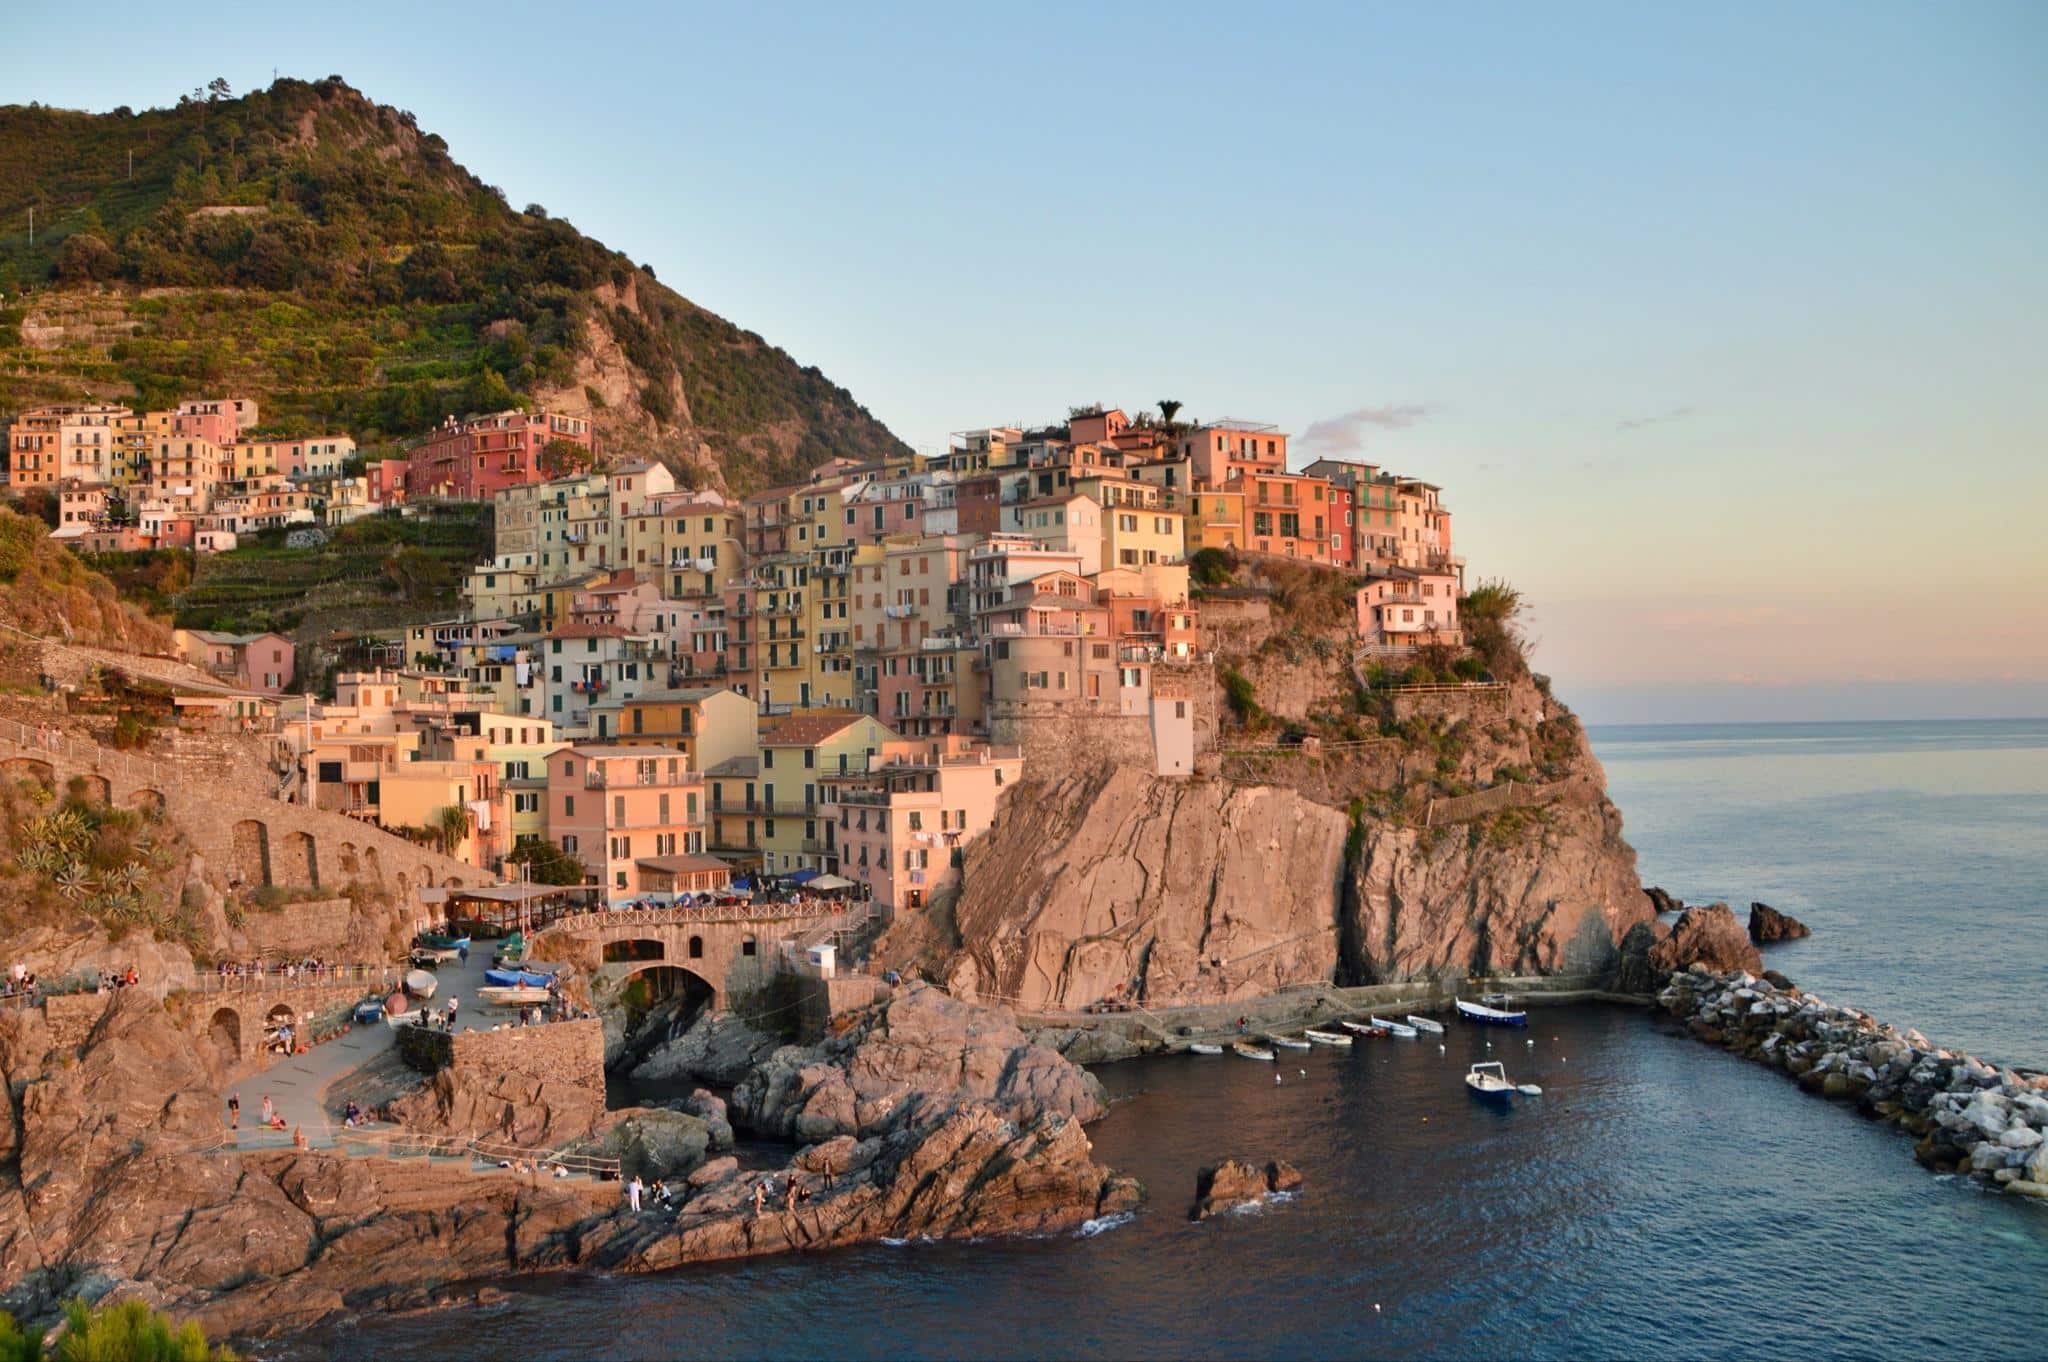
1724,328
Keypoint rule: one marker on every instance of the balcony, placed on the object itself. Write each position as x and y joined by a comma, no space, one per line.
899,612
779,808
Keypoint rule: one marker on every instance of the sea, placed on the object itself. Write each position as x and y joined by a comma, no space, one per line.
1660,1199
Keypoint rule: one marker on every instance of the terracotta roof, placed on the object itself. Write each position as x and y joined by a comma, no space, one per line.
808,730
682,864
578,629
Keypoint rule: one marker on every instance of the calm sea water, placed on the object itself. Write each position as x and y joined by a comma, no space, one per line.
1660,1199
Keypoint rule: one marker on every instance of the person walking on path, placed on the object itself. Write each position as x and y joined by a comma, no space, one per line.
453,1003
633,1192
234,1111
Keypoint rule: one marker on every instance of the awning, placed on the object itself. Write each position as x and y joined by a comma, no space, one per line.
829,882
804,876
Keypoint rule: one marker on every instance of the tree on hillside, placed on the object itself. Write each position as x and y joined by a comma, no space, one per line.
1168,409
128,1330
87,259
218,89
563,458
1489,614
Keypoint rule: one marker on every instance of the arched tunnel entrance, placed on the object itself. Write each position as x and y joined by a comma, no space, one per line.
660,1002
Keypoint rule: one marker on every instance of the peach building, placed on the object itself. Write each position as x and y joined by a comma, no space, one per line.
1222,450
901,826
1286,515
613,807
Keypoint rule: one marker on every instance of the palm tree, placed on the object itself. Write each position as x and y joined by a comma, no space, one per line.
453,825
1168,409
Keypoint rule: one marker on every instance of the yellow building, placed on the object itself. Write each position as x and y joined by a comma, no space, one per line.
712,724
418,794
1216,522
770,811
1134,538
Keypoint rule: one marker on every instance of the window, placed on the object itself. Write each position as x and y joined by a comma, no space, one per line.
568,806
569,845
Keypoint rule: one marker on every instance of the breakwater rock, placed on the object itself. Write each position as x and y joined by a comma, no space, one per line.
1969,1116
1708,936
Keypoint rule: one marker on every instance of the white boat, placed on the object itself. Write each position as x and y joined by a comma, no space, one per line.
1244,1049
1435,1028
1394,1028
1491,1016
1202,1047
1288,1042
511,995
1490,1080
421,984
1327,1037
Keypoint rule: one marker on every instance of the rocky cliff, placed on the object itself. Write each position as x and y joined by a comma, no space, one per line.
1361,864
1109,881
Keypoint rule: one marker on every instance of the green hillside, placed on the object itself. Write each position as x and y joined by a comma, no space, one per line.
318,251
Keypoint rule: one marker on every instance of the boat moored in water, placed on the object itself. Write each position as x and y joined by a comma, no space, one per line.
1434,1027
1360,1028
1399,1030
1491,1016
1490,1080
1202,1047
1288,1042
1327,1037
1244,1049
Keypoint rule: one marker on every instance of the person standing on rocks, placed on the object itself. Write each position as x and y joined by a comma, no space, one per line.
633,1193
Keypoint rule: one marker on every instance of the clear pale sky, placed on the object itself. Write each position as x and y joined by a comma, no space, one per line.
1724,327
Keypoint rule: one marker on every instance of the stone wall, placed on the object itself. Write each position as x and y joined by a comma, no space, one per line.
1061,739
560,1052
1480,704
71,1017
316,927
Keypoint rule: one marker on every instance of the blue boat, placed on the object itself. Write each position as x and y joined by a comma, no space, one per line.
517,978
1491,1016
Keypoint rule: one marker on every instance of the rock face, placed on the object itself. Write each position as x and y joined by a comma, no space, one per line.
719,1049
1098,883
1235,1182
1172,891
1767,925
1708,936
1970,1116
1556,899
520,1108
922,1052
1663,902
957,1126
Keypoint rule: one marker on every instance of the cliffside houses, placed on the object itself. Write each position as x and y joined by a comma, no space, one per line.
836,676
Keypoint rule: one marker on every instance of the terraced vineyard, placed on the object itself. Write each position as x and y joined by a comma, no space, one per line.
378,572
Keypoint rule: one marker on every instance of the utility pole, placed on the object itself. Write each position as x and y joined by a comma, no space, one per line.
306,756
131,163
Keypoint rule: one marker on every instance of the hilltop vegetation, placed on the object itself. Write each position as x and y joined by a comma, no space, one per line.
320,252
45,590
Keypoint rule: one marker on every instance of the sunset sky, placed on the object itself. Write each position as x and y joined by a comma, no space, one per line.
1725,328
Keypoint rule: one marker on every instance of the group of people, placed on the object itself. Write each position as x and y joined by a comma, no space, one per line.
19,983
111,979
272,1120
553,1170
310,968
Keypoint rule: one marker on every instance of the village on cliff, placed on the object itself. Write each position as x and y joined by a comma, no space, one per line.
834,679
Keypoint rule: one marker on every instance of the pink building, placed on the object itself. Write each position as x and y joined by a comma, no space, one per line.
1222,450
258,662
901,826
476,459
615,808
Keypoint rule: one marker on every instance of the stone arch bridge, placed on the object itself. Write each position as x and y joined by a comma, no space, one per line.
254,839
732,949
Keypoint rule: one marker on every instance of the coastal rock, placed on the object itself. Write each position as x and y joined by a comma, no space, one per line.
719,1048
710,1109
519,1108
1707,936
1768,925
1633,972
1662,902
652,1142
1238,1182
917,1055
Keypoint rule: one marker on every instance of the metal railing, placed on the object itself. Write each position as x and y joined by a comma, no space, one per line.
272,978
1512,794
652,915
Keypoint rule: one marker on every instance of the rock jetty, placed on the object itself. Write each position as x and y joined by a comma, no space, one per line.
1969,1116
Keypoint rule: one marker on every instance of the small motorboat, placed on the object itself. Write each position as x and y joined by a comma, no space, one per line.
1491,1016
1327,1037
1244,1049
1362,1029
511,995
1435,1028
519,978
1399,1030
1490,1080
437,941
1203,1047
1288,1042
425,957
421,984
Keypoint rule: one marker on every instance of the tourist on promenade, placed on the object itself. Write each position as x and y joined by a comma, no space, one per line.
299,1138
453,1003
633,1192
234,1111
269,1110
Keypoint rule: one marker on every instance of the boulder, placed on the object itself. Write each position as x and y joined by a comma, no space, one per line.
1634,973
709,1108
1767,925
1709,937
653,1142
719,1048
1662,902
1238,1182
